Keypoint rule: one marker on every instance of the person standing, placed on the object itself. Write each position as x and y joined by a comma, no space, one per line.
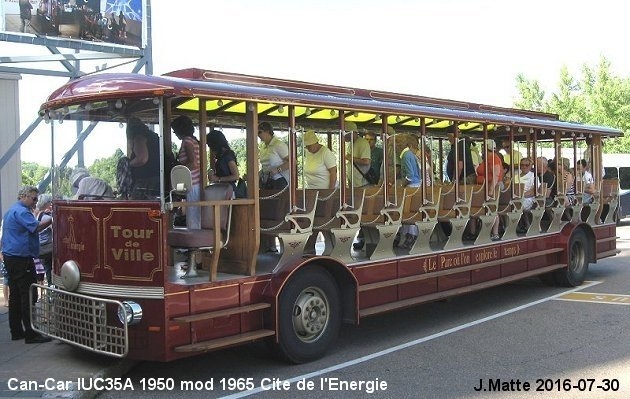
358,156
20,244
25,15
376,153
44,213
274,158
189,156
225,165
320,164
464,169
122,23
143,147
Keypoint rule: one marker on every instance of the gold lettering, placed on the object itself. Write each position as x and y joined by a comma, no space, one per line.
132,255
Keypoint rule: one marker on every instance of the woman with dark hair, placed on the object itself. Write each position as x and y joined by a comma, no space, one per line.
274,158
225,166
189,156
143,148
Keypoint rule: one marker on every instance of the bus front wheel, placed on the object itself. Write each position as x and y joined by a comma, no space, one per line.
577,264
309,313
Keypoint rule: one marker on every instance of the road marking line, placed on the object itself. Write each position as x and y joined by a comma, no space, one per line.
594,297
410,344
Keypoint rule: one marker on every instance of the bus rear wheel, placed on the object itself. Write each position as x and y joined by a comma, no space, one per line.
309,315
577,265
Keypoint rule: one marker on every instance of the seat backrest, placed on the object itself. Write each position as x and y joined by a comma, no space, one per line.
216,192
181,179
478,195
448,196
274,205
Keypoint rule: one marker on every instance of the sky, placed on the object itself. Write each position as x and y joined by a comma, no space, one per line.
469,50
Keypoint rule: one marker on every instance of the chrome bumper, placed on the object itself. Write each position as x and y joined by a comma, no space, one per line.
80,320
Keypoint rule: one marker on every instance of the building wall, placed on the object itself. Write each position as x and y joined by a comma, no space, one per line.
11,173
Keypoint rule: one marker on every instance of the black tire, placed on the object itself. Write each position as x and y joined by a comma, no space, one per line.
309,315
577,263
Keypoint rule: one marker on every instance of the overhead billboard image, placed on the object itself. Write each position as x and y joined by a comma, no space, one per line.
111,21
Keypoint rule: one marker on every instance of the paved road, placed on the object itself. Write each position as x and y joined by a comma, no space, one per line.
562,342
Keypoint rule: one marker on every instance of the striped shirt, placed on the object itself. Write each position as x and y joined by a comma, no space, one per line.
182,157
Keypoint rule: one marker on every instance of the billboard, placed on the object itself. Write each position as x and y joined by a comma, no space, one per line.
107,21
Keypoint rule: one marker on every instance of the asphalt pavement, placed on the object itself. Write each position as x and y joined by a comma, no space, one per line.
50,370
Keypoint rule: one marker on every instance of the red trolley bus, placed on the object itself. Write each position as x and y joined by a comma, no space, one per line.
118,285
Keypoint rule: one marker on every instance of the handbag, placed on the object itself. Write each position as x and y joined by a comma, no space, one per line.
371,175
45,249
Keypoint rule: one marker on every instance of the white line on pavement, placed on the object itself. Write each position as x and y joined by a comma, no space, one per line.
409,344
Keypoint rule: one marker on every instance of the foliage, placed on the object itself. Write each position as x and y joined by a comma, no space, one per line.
597,97
105,168
32,173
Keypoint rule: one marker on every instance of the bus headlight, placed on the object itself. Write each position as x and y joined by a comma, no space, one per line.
130,312
70,275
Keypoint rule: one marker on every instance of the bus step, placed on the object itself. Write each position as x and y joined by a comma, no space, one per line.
225,341
222,313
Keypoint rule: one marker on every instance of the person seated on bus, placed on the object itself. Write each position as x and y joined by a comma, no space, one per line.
86,187
143,151
494,166
588,183
511,156
527,178
561,169
544,175
225,169
320,164
274,159
411,177
464,170
189,157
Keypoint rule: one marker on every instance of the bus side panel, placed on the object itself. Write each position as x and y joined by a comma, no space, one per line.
540,244
481,256
413,267
252,292
373,274
453,260
486,274
513,250
147,339
209,298
177,304
452,281
603,235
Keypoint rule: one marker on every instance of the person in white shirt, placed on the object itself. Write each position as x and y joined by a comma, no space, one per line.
274,158
527,178
584,176
358,156
320,164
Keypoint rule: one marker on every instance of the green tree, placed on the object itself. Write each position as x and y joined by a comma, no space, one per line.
32,173
105,168
597,97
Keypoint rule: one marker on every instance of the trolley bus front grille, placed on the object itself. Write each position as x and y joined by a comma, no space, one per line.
80,320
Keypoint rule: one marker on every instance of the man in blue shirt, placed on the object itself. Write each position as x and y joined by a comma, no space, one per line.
20,244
